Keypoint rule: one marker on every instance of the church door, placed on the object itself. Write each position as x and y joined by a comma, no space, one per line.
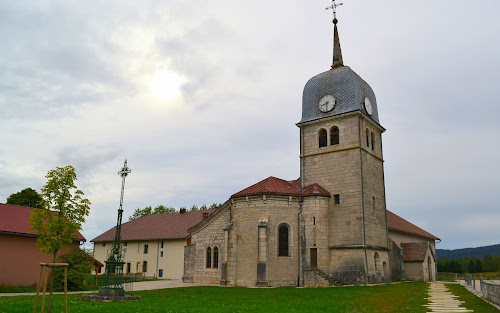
314,257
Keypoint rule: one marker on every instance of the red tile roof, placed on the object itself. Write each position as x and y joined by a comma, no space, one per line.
14,219
414,251
159,226
395,222
96,262
276,186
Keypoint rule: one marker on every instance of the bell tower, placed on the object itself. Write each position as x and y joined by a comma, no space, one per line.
341,150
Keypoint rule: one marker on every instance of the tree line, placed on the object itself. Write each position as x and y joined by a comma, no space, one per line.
161,209
490,263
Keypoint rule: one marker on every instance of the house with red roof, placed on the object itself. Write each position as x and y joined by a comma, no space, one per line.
153,244
20,261
331,225
413,250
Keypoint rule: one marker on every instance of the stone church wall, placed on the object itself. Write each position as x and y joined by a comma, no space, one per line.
210,235
348,265
397,264
315,217
374,193
279,270
400,237
337,168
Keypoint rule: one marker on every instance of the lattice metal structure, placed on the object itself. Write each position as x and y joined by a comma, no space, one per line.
113,280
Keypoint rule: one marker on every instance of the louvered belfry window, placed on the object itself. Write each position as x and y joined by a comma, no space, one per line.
334,136
373,141
283,241
322,138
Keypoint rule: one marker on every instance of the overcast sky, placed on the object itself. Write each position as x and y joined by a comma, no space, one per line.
202,98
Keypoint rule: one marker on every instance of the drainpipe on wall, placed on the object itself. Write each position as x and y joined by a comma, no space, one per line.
299,241
367,273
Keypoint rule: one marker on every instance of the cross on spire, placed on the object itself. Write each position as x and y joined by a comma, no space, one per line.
337,53
334,8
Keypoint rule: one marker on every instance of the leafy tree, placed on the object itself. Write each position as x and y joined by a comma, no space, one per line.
478,266
79,266
491,263
214,205
64,210
443,265
471,267
26,197
161,209
455,266
63,213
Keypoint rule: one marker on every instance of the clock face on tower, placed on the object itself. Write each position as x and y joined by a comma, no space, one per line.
368,106
327,103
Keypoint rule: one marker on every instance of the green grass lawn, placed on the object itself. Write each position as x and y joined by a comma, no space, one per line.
472,302
381,298
399,297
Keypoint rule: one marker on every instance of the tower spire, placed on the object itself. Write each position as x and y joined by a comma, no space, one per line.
337,52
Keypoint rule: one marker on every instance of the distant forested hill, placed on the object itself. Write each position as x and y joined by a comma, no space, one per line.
479,252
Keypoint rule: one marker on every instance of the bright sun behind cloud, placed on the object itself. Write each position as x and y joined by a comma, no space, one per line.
166,84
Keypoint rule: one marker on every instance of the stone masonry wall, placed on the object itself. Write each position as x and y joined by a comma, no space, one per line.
315,213
280,270
337,168
491,291
210,235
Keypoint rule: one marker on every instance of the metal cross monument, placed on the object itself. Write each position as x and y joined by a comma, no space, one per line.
113,279
334,8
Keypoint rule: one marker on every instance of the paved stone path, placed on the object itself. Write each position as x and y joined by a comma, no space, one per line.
443,301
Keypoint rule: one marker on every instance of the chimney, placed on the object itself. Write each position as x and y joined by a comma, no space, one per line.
182,211
205,215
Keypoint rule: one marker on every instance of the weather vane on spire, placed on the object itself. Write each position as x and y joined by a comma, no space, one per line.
334,8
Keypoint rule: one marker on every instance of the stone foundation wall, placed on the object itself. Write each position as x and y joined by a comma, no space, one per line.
211,235
313,280
491,291
397,263
348,266
189,263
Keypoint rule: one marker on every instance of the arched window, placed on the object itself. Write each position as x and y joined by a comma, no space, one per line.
283,241
367,138
373,141
334,135
377,260
384,265
216,257
322,138
209,257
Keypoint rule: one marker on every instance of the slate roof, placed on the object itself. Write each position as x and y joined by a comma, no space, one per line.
398,223
348,88
414,251
159,226
14,219
276,186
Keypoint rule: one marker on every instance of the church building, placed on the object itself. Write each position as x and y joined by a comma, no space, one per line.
328,227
